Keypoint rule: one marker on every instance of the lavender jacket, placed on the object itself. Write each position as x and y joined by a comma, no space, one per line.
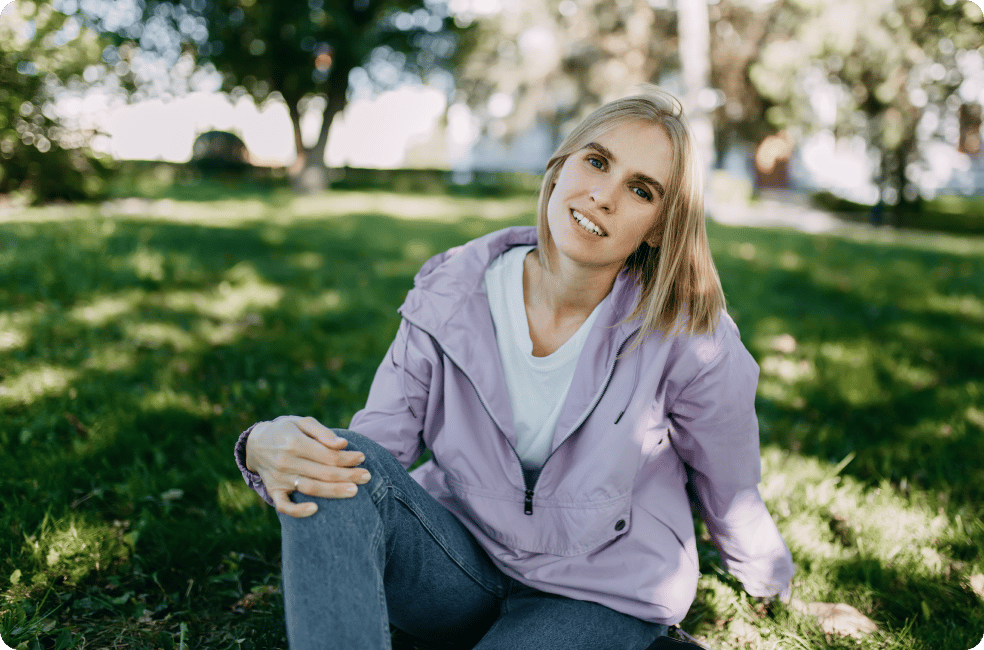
608,519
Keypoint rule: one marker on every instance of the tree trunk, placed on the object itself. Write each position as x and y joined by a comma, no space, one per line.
295,121
695,61
311,174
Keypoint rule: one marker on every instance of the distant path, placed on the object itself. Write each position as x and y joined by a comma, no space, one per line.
778,210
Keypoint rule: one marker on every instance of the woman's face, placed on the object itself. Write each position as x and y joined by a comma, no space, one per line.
608,194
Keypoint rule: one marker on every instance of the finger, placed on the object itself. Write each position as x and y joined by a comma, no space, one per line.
311,449
282,502
328,474
327,490
321,433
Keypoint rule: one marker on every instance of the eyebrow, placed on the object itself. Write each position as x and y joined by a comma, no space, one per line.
637,176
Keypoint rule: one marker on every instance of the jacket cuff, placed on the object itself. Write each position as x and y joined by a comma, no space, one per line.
252,479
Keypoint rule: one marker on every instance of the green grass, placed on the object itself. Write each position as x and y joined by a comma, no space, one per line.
944,213
137,340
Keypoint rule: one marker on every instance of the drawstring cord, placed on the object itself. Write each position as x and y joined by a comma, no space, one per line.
635,384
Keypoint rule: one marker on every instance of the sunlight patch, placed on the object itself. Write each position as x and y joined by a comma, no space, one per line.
823,513
158,335
110,358
14,328
11,339
326,302
102,310
417,250
965,306
235,497
228,301
789,370
147,264
72,548
40,381
916,377
408,207
222,333
167,399
308,260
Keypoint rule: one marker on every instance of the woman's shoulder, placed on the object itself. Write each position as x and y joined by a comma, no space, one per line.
703,349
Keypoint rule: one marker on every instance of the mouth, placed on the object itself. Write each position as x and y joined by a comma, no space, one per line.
587,224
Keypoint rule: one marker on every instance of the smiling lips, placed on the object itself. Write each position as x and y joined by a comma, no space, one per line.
587,224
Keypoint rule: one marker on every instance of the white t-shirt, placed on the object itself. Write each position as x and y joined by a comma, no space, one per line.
537,385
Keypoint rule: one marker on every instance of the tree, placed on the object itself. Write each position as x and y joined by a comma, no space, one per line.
45,55
308,50
552,62
873,69
740,28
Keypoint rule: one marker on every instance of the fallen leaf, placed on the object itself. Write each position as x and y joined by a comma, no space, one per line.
837,618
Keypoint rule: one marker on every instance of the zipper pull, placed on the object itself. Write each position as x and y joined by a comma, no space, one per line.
528,509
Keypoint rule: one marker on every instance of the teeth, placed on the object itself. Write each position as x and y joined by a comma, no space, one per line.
586,223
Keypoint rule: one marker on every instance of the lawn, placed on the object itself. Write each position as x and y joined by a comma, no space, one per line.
138,338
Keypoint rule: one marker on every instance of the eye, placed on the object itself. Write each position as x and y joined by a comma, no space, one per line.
597,162
642,193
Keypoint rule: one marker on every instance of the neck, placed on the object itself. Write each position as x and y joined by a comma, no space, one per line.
567,290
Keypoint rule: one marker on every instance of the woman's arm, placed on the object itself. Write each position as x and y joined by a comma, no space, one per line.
398,398
716,435
273,455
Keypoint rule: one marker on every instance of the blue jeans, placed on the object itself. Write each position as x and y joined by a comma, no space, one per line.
393,554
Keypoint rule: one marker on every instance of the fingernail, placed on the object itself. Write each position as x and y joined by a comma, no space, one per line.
350,489
361,457
365,476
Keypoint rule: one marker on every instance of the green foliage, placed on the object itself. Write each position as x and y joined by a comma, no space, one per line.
42,156
870,69
138,340
556,61
945,213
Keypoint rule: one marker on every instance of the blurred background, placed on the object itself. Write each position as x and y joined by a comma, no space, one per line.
871,108
210,211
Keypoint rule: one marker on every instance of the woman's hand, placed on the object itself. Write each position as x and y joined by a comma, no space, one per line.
293,453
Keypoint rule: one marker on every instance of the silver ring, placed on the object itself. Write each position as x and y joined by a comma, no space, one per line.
296,481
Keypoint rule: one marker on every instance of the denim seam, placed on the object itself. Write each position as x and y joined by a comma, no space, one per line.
378,539
437,537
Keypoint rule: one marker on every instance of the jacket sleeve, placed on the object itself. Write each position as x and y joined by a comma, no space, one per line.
716,430
393,415
398,398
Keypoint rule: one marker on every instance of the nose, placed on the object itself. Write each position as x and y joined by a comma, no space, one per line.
603,195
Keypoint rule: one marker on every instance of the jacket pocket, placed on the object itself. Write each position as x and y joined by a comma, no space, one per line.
554,527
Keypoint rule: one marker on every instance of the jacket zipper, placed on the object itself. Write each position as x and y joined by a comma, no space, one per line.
611,371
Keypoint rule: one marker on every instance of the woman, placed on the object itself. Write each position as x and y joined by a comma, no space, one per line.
569,380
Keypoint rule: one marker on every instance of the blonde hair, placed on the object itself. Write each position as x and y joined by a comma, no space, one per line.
681,290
